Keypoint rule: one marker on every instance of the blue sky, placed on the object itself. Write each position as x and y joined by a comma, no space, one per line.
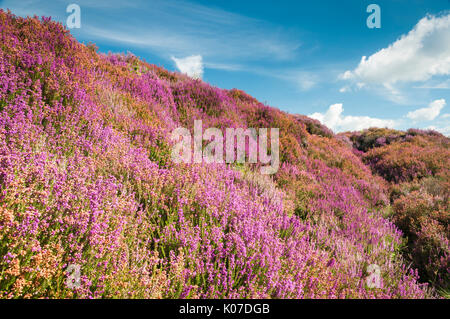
303,57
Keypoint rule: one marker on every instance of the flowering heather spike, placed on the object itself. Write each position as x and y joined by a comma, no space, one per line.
86,179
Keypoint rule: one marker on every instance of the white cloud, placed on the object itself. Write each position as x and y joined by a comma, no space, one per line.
334,119
347,75
416,57
435,85
427,113
191,65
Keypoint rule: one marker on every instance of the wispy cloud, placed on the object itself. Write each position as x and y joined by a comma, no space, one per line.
345,89
435,85
304,80
174,28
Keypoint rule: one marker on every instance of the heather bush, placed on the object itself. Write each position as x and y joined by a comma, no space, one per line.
431,253
314,126
416,165
370,138
415,158
424,218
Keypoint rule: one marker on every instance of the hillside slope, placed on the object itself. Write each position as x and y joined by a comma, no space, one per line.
87,181
416,164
